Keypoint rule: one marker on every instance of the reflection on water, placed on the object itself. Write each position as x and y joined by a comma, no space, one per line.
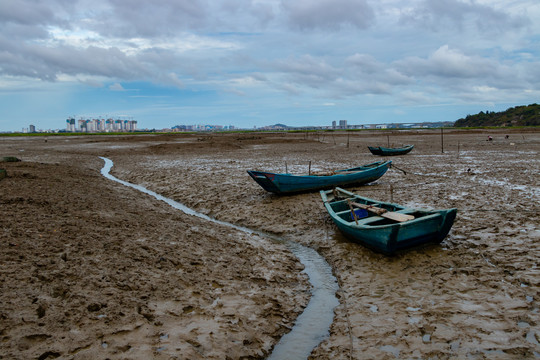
312,325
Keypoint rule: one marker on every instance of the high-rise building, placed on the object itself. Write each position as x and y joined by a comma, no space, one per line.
99,125
70,125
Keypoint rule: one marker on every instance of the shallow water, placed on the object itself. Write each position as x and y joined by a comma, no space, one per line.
312,326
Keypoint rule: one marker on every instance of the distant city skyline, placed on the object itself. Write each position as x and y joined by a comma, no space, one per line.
256,63
95,125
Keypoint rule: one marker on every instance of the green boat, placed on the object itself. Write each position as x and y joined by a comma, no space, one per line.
385,227
288,183
384,151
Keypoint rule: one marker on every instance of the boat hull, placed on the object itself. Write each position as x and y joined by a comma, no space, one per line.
383,151
287,183
385,235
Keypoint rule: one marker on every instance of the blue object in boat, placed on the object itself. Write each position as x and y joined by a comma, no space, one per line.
361,213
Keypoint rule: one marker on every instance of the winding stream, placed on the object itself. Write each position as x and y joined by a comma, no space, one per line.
312,325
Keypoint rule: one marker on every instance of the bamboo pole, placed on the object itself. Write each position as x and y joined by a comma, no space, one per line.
352,211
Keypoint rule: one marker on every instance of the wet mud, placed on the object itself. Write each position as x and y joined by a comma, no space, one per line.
91,269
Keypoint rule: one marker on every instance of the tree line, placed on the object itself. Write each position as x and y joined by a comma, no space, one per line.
526,115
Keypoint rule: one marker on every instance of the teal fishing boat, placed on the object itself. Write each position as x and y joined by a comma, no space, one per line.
385,227
288,183
384,151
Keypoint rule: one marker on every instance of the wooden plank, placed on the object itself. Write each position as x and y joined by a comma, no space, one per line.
384,213
397,216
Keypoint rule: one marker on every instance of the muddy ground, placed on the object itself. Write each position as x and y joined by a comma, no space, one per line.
93,269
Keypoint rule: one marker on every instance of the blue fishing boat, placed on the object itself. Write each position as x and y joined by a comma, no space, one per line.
385,227
288,183
384,151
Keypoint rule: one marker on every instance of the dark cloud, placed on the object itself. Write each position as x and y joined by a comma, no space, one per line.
26,12
247,14
169,18
143,18
440,14
328,14
48,63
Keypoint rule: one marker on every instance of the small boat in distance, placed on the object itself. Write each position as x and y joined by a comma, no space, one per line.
384,151
288,183
385,227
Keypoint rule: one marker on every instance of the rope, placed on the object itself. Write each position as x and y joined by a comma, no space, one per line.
394,166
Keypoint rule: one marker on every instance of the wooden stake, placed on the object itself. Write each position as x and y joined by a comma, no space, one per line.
309,170
442,141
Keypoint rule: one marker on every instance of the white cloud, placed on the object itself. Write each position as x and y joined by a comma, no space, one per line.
116,87
172,79
448,63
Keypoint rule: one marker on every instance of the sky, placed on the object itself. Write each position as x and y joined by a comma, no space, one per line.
254,63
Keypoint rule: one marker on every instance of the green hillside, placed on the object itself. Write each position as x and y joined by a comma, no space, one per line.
517,116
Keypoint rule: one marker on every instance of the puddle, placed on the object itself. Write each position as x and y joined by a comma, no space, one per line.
312,326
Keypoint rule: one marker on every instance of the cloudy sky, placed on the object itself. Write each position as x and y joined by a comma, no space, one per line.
260,62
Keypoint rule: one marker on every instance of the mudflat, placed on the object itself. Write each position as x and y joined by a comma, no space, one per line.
94,269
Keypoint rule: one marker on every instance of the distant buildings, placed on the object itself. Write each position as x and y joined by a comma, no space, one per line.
202,128
275,127
100,125
29,129
342,124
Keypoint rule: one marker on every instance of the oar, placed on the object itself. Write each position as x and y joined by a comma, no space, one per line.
385,213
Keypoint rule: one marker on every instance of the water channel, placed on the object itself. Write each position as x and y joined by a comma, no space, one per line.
312,326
